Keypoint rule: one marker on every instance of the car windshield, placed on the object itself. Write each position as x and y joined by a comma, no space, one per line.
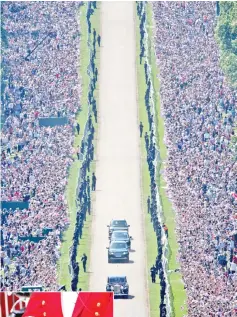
119,223
117,279
120,235
118,245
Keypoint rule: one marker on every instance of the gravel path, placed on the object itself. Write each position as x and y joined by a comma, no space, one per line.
118,193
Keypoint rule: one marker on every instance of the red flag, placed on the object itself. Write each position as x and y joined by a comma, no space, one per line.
87,304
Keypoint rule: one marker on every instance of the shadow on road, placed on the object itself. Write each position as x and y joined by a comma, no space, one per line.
132,250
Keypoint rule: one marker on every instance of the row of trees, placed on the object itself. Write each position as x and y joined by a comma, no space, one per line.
226,36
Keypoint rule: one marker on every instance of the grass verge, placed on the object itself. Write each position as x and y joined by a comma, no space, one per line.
85,242
151,241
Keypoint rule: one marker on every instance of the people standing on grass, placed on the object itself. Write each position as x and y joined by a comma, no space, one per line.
78,152
166,230
84,261
99,40
74,281
89,205
153,274
78,128
88,185
92,152
147,141
93,182
141,129
148,204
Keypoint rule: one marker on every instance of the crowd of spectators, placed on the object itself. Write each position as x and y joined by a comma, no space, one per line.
199,109
40,79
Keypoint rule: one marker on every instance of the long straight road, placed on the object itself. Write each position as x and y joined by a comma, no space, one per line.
118,193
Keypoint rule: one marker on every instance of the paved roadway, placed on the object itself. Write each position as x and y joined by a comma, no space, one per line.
118,192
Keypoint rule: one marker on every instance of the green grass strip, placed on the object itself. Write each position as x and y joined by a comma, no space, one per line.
151,241
85,242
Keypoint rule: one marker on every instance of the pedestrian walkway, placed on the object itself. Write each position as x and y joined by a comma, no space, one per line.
118,193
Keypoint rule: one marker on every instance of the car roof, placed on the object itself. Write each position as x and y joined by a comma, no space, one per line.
120,231
118,241
116,276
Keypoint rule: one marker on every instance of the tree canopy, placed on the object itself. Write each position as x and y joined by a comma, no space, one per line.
226,35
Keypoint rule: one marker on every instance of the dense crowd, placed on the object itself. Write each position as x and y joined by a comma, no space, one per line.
40,79
199,108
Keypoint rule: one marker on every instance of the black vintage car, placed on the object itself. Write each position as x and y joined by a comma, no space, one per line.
117,225
118,251
118,285
121,236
